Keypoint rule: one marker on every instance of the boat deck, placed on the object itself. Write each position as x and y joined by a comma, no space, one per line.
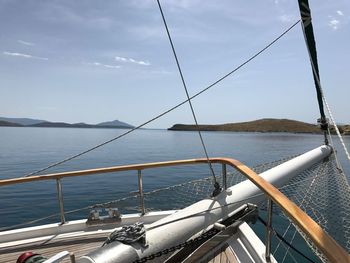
244,246
79,245
224,255
82,245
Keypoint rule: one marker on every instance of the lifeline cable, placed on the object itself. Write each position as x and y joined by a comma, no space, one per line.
103,205
170,109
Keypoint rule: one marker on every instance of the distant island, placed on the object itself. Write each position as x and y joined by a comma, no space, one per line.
27,122
262,125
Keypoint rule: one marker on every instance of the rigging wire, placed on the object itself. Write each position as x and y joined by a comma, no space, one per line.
289,253
170,109
336,127
317,80
109,203
280,237
339,166
311,48
216,184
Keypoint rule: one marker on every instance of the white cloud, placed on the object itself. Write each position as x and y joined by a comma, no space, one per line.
131,60
25,43
121,59
143,63
104,65
110,66
334,23
287,18
339,12
162,71
15,54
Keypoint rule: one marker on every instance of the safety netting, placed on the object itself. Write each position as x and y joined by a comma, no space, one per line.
322,191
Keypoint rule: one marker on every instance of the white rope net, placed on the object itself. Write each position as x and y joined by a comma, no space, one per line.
322,191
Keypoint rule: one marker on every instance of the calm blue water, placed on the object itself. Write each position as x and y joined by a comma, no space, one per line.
24,150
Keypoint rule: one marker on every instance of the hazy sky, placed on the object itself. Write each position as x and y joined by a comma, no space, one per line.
94,61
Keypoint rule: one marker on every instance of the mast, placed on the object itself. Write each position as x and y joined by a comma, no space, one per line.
309,37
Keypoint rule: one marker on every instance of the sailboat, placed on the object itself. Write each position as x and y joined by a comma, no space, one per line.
216,228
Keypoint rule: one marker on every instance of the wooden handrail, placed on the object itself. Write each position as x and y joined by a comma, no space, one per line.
131,167
325,243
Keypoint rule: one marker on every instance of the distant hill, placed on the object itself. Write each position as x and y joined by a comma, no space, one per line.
115,123
9,124
26,122
344,129
22,121
52,124
78,125
262,125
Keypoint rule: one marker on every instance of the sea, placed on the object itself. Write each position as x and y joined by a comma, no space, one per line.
24,150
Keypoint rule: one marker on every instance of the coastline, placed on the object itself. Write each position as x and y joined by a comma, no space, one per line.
263,126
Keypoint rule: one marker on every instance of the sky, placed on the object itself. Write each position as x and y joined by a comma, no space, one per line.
94,61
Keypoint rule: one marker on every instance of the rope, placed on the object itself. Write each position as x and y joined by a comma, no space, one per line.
289,253
339,166
216,185
314,181
286,242
288,248
317,79
170,109
336,127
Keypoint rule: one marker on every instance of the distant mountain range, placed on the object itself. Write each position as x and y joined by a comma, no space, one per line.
9,124
27,122
262,125
21,121
114,123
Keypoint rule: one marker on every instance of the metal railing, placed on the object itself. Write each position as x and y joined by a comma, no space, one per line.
137,167
60,200
326,244
268,231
